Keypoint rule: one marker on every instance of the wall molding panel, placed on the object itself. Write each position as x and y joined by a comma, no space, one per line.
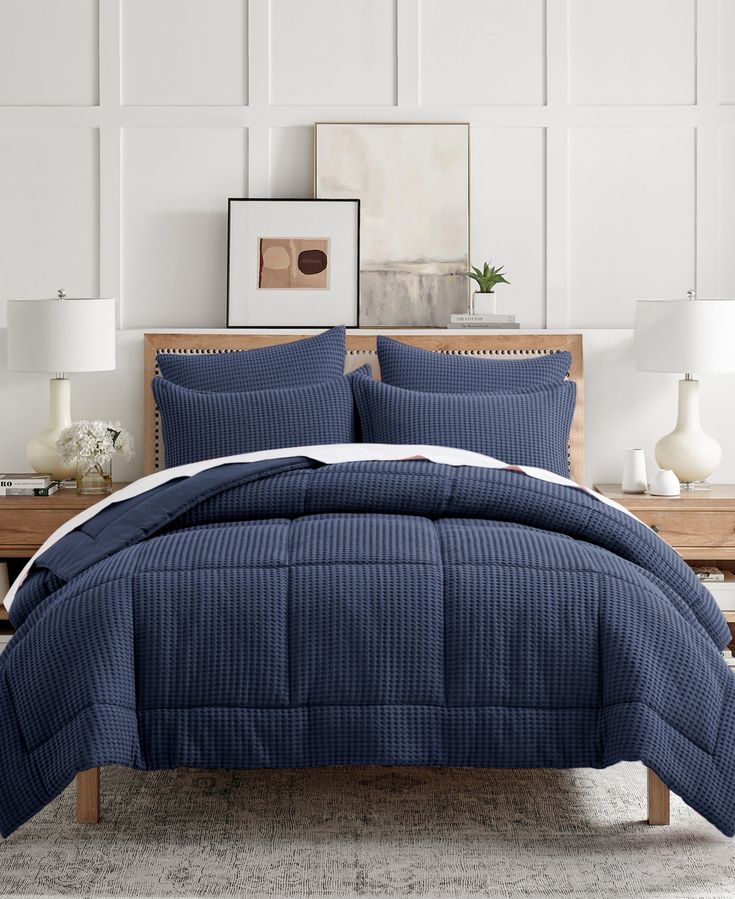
578,152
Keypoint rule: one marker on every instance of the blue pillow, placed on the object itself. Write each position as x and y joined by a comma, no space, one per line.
199,425
412,368
529,428
308,361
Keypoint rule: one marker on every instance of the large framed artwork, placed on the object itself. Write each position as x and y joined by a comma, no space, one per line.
413,184
293,263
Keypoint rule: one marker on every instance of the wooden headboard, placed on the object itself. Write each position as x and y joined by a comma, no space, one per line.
361,349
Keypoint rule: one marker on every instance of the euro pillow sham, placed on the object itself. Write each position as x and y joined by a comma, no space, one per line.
529,428
308,361
198,425
412,368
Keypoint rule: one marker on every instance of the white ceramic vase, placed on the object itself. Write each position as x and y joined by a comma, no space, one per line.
634,471
665,483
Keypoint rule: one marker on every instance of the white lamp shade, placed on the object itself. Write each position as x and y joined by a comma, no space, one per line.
685,336
61,335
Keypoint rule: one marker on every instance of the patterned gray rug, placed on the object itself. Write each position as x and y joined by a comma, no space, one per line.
369,832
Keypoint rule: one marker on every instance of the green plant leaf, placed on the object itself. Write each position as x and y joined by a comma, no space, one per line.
487,277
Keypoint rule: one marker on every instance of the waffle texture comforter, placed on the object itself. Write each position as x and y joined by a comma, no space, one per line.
285,614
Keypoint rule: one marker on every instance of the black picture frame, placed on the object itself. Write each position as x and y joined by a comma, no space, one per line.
319,200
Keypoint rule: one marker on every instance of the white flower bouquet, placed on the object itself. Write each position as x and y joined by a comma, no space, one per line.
92,444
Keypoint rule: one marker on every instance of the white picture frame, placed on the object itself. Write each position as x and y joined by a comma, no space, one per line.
295,296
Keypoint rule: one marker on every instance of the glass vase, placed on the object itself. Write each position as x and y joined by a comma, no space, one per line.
94,478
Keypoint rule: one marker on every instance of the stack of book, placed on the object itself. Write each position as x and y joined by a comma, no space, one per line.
482,320
728,657
710,574
721,584
27,484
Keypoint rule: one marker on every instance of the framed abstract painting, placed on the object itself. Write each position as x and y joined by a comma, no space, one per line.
293,263
413,184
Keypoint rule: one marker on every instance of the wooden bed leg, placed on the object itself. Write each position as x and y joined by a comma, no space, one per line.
88,796
658,800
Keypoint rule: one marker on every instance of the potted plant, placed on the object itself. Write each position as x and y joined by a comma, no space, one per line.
483,299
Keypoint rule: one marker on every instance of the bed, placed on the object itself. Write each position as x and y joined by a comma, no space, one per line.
400,604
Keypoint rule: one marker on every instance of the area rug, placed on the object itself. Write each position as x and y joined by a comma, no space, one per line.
369,832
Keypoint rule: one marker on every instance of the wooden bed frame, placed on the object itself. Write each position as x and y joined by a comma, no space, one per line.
361,349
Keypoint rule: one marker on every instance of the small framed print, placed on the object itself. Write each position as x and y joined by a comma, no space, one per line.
293,263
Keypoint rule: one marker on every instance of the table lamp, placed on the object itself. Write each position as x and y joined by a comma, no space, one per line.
59,335
686,336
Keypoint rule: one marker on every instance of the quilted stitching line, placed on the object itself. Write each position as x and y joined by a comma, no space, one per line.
21,731
726,698
437,707
135,592
448,497
90,705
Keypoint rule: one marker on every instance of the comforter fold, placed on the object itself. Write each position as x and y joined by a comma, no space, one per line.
288,614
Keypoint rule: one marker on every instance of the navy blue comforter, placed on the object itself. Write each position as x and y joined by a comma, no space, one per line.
392,613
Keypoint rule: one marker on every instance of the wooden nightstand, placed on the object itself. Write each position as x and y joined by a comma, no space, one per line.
26,521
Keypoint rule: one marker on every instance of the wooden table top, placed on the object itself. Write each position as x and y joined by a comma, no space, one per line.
718,497
64,498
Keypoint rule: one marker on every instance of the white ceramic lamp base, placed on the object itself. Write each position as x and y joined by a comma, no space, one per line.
690,453
41,449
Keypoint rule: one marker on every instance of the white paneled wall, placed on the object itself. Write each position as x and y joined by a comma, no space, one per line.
726,30
331,53
643,243
601,138
175,179
632,53
482,53
48,53
49,210
184,53
603,149
726,207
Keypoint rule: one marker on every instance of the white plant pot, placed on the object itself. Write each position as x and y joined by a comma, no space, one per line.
483,303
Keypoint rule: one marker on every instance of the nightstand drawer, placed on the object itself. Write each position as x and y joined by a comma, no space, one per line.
32,527
691,528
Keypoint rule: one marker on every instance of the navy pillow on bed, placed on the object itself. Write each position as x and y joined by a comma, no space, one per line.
199,425
529,428
307,361
415,369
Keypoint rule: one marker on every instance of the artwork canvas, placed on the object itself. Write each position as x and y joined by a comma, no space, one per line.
413,184
293,263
